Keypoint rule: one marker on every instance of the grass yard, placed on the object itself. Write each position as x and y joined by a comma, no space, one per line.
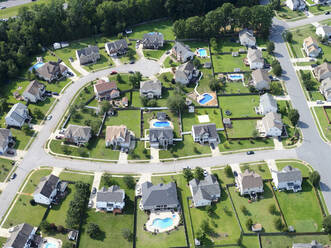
240,106
43,106
185,148
314,93
242,129
222,177
226,45
148,116
190,119
140,153
227,63
287,14
164,27
2,241
6,166
325,126
130,118
123,83
160,102
95,149
287,241
205,80
34,180
131,54
303,168
71,176
157,53
234,87
301,210
257,211
262,169
104,62
170,62
166,78
319,9
13,11
24,212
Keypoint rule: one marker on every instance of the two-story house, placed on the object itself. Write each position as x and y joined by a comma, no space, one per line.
46,190
78,135
249,183
288,178
161,137
271,125
255,59
182,52
17,115
151,89
6,138
118,136
106,90
88,55
205,133
185,73
23,236
110,199
116,48
267,104
52,71
261,80
153,40
34,92
247,38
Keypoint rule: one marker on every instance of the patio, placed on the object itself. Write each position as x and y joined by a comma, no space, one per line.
162,221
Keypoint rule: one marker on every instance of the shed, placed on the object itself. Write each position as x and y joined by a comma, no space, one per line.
257,227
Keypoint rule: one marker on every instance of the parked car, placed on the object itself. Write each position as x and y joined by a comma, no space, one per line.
319,102
167,52
212,145
55,93
58,137
113,73
90,204
235,173
13,176
94,190
250,152
49,117
10,152
70,73
205,173
2,7
313,65
131,72
132,62
327,13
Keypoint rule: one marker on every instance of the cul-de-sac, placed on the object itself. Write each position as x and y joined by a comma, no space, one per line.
165,123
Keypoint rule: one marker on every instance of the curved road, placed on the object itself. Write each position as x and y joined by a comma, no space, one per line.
313,150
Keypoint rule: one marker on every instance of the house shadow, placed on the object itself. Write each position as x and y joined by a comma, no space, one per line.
324,187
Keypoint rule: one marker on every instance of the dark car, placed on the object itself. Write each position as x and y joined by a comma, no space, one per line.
327,13
70,73
131,72
313,65
267,66
131,62
10,152
249,152
212,146
55,93
13,176
94,190
235,173
113,73
58,137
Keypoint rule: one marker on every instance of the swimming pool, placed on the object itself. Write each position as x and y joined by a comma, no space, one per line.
161,124
50,245
202,52
36,66
206,98
235,77
163,223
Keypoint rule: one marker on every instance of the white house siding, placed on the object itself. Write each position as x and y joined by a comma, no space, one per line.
29,97
11,122
41,199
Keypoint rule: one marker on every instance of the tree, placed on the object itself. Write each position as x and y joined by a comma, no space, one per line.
45,226
327,224
95,125
228,171
309,84
276,68
255,133
276,88
67,245
129,181
205,227
105,106
272,209
93,230
278,224
270,47
38,114
214,85
3,106
198,173
119,78
196,63
127,234
289,37
294,116
213,43
188,175
210,210
249,224
315,178
27,130
176,103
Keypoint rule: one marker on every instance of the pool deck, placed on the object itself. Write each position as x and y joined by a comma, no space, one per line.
162,215
212,102
56,242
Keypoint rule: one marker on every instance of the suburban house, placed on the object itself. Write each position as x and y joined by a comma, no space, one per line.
325,89
206,191
106,90
270,125
311,48
23,236
52,71
34,92
161,137
324,31
249,183
322,71
296,4
88,55
267,104
151,89
158,197
116,48
205,133
118,136
288,178
182,52
110,199
185,73
46,190
247,38
79,135
6,137
255,59
17,115
153,40
312,244
261,80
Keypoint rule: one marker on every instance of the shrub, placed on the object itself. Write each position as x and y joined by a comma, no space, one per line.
93,230
278,224
314,178
228,171
127,234
273,209
129,182
249,224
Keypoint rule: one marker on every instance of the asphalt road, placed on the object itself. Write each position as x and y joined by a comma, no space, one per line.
12,3
313,149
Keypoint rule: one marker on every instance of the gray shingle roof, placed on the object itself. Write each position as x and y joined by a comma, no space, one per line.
112,194
288,174
17,112
313,244
87,51
156,134
181,48
250,179
209,128
34,88
268,101
19,237
77,131
205,189
271,120
153,38
50,69
150,85
161,194
47,185
117,45
4,134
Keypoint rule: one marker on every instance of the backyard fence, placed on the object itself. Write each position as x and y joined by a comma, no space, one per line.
135,222
326,114
239,94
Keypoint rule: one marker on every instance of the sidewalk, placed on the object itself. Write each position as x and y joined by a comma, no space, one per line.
215,152
57,171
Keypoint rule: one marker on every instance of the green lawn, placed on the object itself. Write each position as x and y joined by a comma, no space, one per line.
240,106
326,127
13,11
104,61
2,241
42,106
164,27
227,63
157,53
190,119
130,118
226,45
314,94
160,102
287,241
24,212
262,169
131,54
303,168
170,63
185,148
35,179
301,210
222,177
204,81
6,166
319,9
124,83
242,128
71,176
286,13
166,78
257,211
234,87
139,153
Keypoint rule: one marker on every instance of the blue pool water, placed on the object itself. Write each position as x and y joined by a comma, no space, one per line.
161,124
235,76
202,52
36,66
206,98
163,223
50,245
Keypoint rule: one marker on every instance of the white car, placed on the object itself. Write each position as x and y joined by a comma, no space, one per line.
90,204
205,173
49,117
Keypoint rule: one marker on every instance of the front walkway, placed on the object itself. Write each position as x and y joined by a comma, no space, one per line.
123,158
278,144
154,155
140,52
4,232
